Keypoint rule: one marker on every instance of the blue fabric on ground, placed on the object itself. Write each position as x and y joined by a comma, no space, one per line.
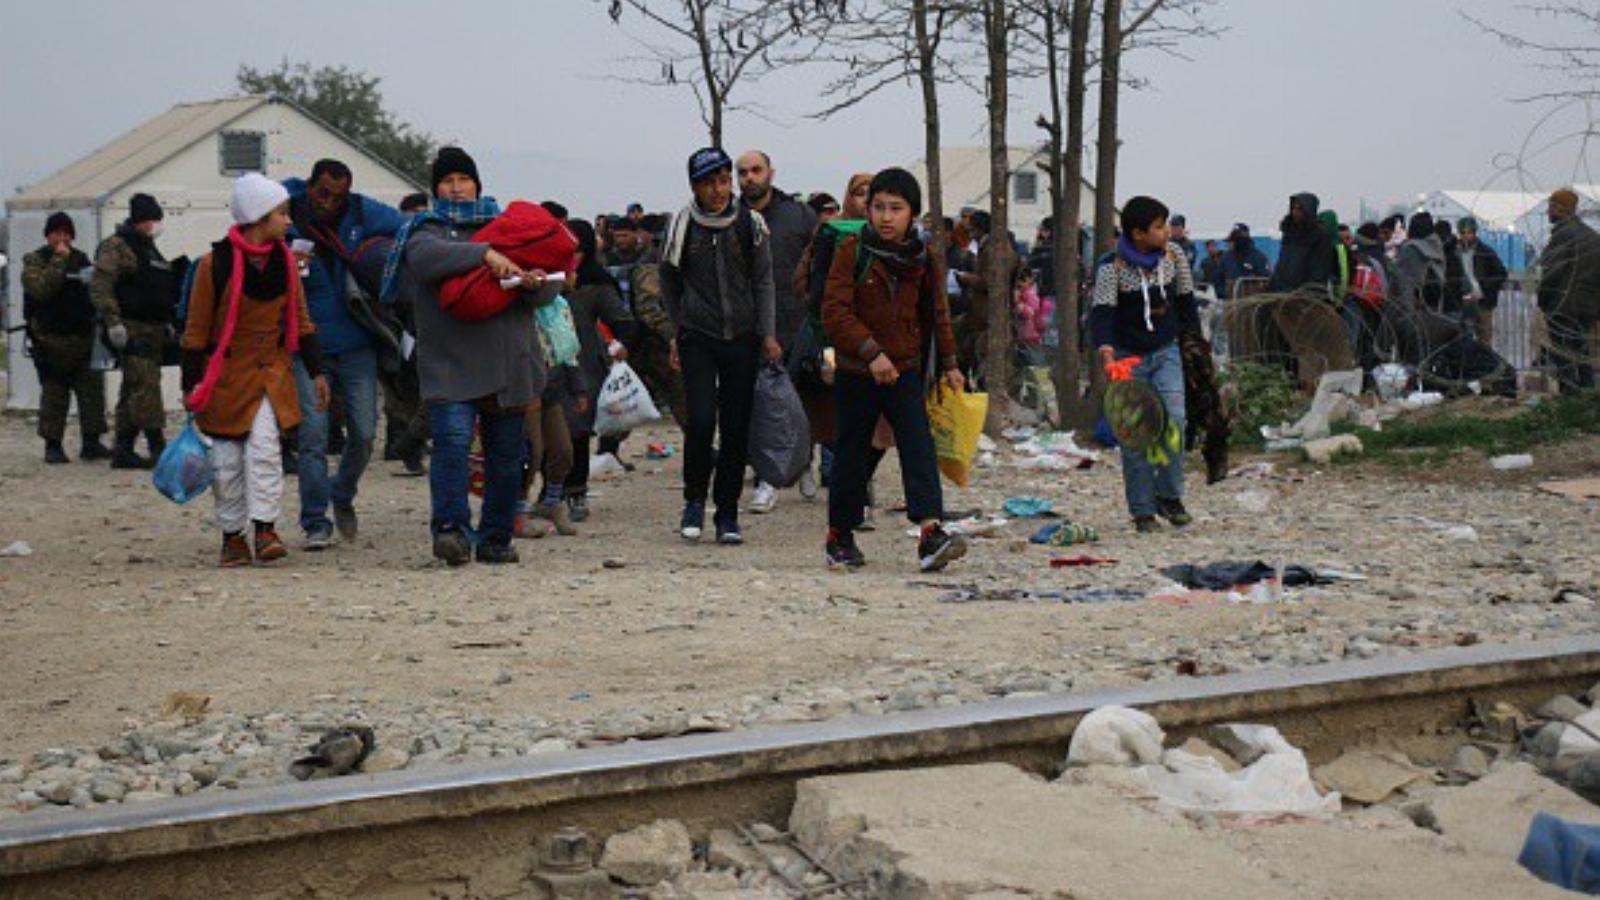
1563,853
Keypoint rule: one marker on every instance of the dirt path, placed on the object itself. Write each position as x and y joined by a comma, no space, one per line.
121,603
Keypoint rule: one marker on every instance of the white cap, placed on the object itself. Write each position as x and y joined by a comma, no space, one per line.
255,195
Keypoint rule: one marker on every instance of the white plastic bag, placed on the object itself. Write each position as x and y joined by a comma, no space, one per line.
624,403
1116,736
1278,782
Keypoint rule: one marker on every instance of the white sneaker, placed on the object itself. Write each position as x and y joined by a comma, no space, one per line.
808,485
765,500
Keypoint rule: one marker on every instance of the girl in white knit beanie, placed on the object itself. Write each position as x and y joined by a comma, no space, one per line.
247,318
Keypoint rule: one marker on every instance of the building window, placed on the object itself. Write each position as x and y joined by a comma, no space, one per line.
1025,188
239,152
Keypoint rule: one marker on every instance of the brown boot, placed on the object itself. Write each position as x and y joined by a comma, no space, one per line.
235,551
269,547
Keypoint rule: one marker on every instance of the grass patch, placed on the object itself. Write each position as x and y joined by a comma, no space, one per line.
1258,395
1431,439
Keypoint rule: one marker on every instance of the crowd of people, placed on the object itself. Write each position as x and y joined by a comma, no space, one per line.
457,311
319,298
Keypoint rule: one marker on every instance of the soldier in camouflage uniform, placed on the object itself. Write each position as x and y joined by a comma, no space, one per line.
651,357
60,323
134,292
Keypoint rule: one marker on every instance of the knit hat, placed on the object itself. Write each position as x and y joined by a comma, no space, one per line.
1467,222
708,161
900,183
144,208
60,221
1564,202
1179,221
454,161
255,195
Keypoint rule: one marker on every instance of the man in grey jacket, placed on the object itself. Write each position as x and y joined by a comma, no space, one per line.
716,280
471,372
791,224
1569,291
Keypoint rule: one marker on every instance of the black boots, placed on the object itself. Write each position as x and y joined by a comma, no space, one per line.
93,450
54,454
157,442
123,457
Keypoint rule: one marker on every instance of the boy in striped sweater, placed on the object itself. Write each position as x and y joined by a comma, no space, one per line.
1143,299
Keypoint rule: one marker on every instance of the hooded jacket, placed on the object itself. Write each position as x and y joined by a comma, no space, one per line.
1569,271
1417,258
1306,257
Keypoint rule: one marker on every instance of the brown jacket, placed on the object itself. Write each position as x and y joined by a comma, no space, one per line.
884,314
258,361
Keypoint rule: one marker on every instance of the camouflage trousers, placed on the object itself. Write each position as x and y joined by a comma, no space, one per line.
404,415
139,405
653,363
62,361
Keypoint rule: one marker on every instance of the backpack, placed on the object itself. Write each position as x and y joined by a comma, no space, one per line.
1369,285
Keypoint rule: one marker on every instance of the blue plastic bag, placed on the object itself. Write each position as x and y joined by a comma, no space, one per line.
1566,854
184,470
555,321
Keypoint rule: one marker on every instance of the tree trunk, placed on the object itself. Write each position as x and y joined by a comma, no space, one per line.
926,74
1105,205
1069,224
997,276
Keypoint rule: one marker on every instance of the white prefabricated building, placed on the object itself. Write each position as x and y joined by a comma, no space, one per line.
187,158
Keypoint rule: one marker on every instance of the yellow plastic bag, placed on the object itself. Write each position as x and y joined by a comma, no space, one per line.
956,420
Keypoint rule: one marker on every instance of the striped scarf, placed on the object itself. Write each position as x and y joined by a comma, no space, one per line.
458,213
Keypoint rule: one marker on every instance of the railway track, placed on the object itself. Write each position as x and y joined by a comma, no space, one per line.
460,829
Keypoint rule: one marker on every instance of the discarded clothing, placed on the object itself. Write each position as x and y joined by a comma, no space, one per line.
1223,575
1566,854
1065,534
1029,507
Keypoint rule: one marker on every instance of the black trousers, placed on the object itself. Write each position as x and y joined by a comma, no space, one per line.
719,383
860,401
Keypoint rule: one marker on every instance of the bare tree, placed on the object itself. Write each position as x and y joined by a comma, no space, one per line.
1064,129
1151,24
998,25
881,44
714,46
1576,57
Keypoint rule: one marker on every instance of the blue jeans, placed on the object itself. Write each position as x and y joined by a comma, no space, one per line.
353,378
1142,482
503,452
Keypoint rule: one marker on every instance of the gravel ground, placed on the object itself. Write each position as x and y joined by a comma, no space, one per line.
625,632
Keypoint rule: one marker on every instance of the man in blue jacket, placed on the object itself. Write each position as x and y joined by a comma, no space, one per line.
328,213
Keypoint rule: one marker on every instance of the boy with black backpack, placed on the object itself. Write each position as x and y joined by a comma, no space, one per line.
885,312
716,279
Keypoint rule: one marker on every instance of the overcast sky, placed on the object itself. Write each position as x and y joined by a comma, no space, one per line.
1374,100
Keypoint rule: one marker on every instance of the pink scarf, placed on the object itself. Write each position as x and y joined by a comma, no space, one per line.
200,397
